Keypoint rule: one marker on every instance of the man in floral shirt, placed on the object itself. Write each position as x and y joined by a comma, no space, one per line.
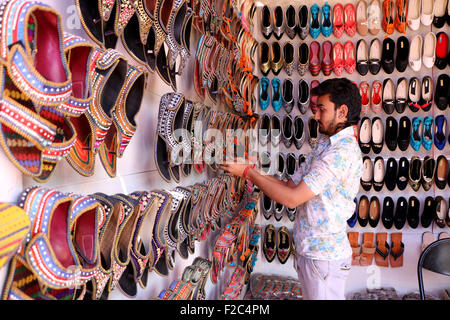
323,188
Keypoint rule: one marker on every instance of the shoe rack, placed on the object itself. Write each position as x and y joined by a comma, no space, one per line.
404,278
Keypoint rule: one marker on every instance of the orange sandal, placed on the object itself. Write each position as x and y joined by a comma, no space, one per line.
396,257
356,248
388,21
382,251
367,249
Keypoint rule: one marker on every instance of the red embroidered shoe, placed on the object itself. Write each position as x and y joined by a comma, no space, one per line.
350,19
338,58
365,100
313,98
314,58
338,20
327,61
349,57
375,97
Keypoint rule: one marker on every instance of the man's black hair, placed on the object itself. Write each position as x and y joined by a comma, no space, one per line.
342,91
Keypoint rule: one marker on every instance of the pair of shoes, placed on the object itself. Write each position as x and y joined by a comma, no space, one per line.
394,251
440,12
421,11
394,173
270,58
344,20
405,210
270,93
371,135
320,21
293,131
368,17
421,173
420,96
277,244
373,174
422,134
343,58
272,22
270,129
368,59
397,134
388,20
374,101
362,255
286,166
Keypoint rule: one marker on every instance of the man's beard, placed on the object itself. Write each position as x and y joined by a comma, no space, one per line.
331,129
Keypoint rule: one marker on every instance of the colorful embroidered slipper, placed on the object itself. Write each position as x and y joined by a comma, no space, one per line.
108,70
123,116
14,226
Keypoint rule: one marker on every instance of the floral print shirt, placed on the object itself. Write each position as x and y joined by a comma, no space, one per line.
332,171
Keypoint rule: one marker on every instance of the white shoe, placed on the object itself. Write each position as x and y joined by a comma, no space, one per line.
413,18
415,53
429,50
427,12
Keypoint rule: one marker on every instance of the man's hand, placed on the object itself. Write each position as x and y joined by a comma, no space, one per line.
236,167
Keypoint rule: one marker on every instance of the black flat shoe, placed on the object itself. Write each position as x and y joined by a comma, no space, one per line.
428,212
401,95
363,211
375,56
390,179
278,23
414,94
378,174
362,57
413,212
365,135
440,176
404,132
290,22
441,94
367,176
387,55
377,135
401,60
402,173
401,211
387,217
287,131
303,22
391,134
288,95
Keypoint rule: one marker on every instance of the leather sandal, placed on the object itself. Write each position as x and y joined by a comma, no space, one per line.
367,249
353,238
382,251
123,117
397,248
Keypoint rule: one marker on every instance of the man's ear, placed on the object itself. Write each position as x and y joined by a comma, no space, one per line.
343,112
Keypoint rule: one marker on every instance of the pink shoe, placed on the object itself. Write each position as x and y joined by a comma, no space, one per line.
375,97
338,20
338,58
350,19
327,60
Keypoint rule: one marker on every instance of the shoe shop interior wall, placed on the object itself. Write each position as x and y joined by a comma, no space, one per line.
374,72
137,169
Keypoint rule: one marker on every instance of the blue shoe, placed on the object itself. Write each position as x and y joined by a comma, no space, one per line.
314,25
264,96
327,22
277,99
440,132
354,218
427,132
416,136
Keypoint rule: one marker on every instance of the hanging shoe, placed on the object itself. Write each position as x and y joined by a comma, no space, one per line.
303,58
327,22
427,94
364,89
416,133
279,24
366,180
414,94
404,133
313,98
390,178
264,58
375,56
314,25
440,132
327,61
388,20
303,96
361,18
441,94
429,50
288,95
440,177
365,135
427,172
391,134
401,95
441,50
291,22
427,132
376,94
362,57
275,130
267,207
276,58
427,12
400,17
313,132
266,22
338,20
415,172
374,17
349,57
413,16
388,96
277,98
350,19
402,173
284,244
288,54
415,53
401,59
303,22
299,132
314,58
439,12
264,93
287,131
264,129
338,58
387,55
270,245
377,135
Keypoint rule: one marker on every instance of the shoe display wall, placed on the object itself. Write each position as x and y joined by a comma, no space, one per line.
394,51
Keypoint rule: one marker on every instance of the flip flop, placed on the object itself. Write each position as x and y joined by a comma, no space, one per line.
382,251
427,239
367,249
397,249
353,238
